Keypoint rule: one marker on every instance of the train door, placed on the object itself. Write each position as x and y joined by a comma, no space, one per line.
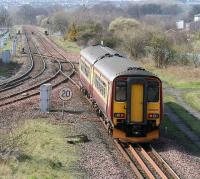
137,103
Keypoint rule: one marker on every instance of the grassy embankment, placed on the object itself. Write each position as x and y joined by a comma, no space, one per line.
183,114
7,70
43,152
181,77
65,44
193,98
174,133
172,130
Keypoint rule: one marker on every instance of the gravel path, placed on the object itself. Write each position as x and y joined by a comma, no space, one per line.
177,93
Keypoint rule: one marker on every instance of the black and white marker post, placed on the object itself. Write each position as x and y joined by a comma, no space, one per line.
65,95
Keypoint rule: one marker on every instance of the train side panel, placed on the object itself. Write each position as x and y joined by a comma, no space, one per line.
85,76
100,88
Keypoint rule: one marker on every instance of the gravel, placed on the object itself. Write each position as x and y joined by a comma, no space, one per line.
183,162
99,157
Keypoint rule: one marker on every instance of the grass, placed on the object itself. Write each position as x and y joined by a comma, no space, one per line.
174,133
178,77
44,153
193,99
67,45
6,70
169,98
182,77
8,45
192,122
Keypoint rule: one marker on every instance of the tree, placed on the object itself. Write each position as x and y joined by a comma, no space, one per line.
172,9
123,24
72,33
89,31
5,19
162,51
150,9
59,22
26,14
195,10
134,11
194,53
135,42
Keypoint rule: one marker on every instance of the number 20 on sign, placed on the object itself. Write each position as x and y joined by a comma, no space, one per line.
65,94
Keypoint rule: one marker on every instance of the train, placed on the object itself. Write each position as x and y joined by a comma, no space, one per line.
127,97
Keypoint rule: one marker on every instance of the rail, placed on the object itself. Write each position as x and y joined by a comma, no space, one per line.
24,76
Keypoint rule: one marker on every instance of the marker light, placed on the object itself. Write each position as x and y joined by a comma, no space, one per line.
153,116
119,115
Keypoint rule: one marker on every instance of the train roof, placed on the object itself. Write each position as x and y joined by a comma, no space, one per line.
97,52
112,67
111,63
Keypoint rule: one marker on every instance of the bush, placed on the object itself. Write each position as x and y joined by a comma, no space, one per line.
123,24
89,31
162,50
135,43
71,34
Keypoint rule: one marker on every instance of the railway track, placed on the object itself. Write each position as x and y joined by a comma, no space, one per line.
64,73
33,74
145,163
25,76
41,61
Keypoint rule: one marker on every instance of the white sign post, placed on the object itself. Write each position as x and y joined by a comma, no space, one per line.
65,95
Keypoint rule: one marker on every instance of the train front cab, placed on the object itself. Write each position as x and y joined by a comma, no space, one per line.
137,108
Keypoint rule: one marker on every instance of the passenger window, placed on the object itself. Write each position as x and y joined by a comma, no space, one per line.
153,91
120,91
85,69
100,85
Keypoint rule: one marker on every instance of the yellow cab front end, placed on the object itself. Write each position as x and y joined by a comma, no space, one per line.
137,108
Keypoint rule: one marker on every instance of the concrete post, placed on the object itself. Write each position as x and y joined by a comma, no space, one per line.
6,56
45,97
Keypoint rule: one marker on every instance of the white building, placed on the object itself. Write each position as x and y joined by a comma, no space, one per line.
180,24
196,17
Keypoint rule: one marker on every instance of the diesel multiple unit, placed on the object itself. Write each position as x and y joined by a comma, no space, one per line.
126,96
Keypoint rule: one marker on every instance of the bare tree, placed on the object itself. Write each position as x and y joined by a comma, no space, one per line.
5,19
59,22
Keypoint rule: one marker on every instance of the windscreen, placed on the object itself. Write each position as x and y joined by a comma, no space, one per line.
153,91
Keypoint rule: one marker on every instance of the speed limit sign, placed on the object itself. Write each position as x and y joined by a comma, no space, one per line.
65,94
